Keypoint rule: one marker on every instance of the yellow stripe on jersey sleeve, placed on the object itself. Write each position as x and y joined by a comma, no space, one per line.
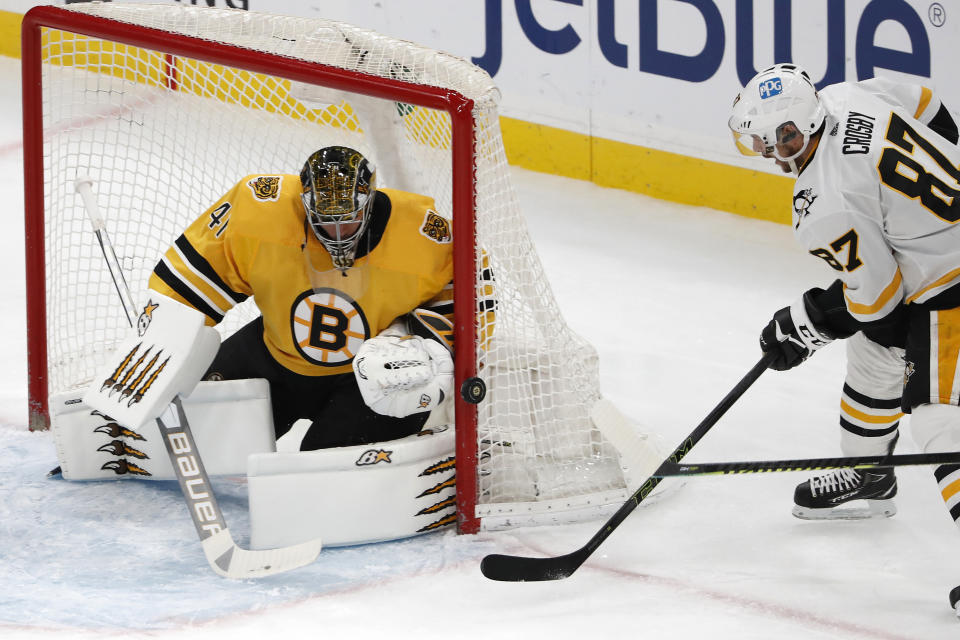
201,267
487,303
155,283
201,284
442,303
886,296
942,282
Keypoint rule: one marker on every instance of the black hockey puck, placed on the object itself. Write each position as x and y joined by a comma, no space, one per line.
473,390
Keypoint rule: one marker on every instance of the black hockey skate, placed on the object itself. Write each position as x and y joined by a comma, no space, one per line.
954,599
847,494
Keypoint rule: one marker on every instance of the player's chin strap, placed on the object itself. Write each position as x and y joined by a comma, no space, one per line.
225,557
810,143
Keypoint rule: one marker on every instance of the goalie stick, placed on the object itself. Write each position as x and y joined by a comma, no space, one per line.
523,569
226,558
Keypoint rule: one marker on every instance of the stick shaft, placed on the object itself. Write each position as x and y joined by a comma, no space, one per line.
83,187
807,464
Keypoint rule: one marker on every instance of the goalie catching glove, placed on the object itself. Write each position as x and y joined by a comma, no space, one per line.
794,333
400,375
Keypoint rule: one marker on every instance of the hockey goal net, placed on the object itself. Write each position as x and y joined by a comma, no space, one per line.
165,107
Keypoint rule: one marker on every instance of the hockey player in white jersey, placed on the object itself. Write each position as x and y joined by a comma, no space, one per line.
877,179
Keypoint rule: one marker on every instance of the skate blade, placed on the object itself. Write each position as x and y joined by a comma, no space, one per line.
854,510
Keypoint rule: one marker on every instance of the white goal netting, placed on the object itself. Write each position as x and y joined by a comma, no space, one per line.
163,134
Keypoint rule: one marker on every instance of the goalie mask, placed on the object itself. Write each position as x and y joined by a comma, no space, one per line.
776,97
338,185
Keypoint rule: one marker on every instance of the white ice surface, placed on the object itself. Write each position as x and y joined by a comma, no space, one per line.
673,297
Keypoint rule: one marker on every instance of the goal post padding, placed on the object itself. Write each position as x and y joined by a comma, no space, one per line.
166,106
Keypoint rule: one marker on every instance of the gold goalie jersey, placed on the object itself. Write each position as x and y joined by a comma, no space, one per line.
255,242
878,198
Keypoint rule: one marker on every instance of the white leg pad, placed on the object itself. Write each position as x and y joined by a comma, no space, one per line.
354,495
230,420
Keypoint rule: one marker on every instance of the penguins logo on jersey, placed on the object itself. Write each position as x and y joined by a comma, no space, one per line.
802,203
265,187
436,227
327,327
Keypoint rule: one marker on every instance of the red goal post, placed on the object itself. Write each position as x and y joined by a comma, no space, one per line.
130,95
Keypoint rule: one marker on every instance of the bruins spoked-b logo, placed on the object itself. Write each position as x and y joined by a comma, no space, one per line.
265,187
437,228
327,326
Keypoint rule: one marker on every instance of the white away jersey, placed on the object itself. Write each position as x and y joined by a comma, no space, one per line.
878,199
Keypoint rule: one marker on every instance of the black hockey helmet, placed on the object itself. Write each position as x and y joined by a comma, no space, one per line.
338,188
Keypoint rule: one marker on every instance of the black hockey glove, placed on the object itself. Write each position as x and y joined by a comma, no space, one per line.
792,335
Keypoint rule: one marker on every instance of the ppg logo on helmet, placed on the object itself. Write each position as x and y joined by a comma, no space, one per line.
770,88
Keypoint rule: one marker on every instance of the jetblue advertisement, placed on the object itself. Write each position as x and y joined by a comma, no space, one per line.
655,73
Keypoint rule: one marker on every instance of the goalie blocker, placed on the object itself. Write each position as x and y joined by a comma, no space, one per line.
165,354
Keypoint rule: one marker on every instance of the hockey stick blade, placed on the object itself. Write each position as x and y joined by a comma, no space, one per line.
231,561
523,569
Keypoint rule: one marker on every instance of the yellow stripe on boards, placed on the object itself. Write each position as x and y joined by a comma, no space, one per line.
546,149
10,34
660,174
